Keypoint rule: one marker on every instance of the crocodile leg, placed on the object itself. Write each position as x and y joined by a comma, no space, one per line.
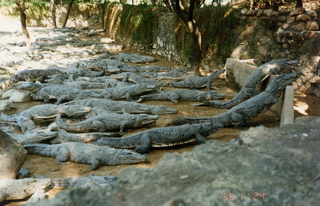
128,96
100,125
94,163
145,145
63,98
200,138
174,98
63,156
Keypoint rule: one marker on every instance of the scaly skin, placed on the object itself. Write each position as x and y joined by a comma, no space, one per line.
32,75
182,95
86,154
255,78
248,109
64,136
62,93
48,111
196,82
108,122
162,137
124,106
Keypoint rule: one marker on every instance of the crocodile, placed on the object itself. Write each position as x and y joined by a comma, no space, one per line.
32,75
153,68
109,66
136,78
90,182
133,58
166,75
33,136
85,153
248,109
64,136
197,82
127,92
182,95
124,106
162,137
255,78
62,93
108,122
12,189
47,111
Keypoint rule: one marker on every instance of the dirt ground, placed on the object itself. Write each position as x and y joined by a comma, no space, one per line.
47,167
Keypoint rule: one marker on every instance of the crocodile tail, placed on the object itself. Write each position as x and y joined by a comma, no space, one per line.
77,127
7,118
181,121
41,149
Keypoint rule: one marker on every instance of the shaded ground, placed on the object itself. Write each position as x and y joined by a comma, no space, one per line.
304,105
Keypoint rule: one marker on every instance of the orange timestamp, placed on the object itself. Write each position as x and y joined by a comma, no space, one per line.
244,196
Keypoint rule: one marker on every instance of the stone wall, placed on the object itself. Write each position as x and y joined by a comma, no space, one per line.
292,34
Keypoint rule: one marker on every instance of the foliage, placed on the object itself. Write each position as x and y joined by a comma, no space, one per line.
216,25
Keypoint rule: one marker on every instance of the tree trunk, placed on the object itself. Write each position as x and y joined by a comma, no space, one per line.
67,14
187,18
53,13
12,156
23,20
299,4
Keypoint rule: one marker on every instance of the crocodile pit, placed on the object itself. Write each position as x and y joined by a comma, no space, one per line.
86,44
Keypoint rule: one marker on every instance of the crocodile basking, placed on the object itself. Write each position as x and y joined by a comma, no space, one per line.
162,137
109,122
136,78
62,93
182,95
32,75
255,78
248,109
127,92
197,82
64,136
124,106
48,111
86,154
33,136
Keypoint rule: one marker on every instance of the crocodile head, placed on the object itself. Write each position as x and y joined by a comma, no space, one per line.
214,95
125,156
71,110
29,86
282,66
162,109
278,84
145,119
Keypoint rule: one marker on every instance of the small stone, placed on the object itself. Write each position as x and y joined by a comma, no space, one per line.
303,17
297,11
312,25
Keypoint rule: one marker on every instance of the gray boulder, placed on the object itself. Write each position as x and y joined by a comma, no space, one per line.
265,166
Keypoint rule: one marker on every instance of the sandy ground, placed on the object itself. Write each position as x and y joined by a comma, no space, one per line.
44,166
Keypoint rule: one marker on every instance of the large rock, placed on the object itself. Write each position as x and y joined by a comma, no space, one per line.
278,166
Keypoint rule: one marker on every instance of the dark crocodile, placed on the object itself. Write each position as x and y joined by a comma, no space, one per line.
248,109
250,87
109,122
86,154
32,75
182,95
197,82
162,137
